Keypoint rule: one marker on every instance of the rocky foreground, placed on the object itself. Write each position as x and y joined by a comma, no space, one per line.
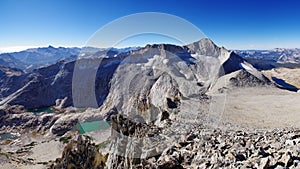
231,149
202,148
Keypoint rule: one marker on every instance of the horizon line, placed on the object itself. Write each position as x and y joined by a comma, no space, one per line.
12,49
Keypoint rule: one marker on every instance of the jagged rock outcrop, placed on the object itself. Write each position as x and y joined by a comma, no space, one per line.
246,79
81,154
128,147
230,149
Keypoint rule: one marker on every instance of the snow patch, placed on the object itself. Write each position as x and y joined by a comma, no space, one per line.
246,67
165,61
194,55
151,60
112,63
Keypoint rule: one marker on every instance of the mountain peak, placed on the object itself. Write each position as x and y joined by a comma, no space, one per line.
206,41
204,46
203,42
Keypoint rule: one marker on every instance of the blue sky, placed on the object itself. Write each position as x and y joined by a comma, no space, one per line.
235,24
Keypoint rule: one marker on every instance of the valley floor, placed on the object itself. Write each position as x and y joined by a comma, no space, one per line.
263,108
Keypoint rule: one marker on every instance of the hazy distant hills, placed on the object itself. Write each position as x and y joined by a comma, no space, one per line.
30,59
268,59
279,54
45,54
33,58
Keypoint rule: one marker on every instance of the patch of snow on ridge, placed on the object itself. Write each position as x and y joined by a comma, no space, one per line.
165,61
249,68
112,63
151,60
194,55
246,67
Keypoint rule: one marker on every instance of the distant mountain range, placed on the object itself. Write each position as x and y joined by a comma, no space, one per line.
30,59
268,59
34,58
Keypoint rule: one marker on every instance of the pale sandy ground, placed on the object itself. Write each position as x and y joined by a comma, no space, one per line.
262,107
42,152
20,166
46,151
291,76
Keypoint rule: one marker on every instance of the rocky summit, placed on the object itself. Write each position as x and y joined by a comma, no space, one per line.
160,106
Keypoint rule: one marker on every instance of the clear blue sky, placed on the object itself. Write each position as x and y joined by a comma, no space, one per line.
235,24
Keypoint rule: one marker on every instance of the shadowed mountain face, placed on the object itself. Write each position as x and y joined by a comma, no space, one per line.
284,85
11,79
8,60
180,69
